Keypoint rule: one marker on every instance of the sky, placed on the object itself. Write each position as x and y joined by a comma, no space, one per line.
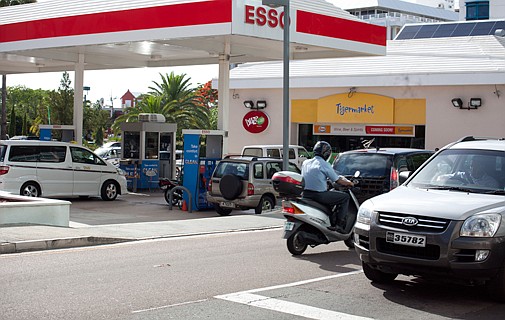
113,84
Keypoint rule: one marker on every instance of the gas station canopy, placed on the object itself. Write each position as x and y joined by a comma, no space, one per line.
66,35
49,36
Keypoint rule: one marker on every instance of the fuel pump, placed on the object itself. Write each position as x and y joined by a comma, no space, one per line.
202,150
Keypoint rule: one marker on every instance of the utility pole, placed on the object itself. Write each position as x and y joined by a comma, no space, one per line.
3,131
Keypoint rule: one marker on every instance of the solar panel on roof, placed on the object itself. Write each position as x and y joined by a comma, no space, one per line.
482,29
463,29
441,30
408,32
445,30
427,31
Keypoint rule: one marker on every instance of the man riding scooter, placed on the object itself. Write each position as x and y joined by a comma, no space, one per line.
316,172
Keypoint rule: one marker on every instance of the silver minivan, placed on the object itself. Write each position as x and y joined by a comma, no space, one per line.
57,169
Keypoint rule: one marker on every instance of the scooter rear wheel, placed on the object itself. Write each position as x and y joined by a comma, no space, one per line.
295,244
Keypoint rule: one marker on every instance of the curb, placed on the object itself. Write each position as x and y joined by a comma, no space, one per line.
63,243
66,243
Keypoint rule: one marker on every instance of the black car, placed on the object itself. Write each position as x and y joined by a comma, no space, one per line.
379,168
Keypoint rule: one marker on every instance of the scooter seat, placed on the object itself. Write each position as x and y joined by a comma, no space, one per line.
317,205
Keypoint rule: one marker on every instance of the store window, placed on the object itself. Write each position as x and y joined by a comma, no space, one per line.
131,144
152,143
477,10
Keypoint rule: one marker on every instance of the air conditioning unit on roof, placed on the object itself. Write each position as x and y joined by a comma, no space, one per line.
151,117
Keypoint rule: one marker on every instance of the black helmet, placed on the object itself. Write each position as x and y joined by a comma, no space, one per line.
322,149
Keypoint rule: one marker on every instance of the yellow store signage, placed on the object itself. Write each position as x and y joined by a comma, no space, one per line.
360,108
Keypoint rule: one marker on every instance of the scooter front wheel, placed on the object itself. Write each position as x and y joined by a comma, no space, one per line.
349,242
295,244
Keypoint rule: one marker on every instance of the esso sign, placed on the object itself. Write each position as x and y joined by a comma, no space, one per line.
255,121
261,16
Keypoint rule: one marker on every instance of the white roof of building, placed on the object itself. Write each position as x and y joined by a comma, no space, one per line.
417,62
397,5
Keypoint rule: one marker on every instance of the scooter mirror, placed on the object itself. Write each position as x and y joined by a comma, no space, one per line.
356,174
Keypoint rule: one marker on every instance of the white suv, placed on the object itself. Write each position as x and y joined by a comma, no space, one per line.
447,220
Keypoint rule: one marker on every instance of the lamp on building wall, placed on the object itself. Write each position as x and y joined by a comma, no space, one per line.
474,103
260,104
457,103
249,104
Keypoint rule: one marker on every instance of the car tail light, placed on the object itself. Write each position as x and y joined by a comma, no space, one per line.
393,178
250,189
4,170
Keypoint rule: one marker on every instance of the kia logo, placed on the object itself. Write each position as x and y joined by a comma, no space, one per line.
410,221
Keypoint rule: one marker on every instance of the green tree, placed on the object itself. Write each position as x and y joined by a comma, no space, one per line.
7,3
12,123
62,102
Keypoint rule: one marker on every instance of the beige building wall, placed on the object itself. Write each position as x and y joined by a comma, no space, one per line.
444,123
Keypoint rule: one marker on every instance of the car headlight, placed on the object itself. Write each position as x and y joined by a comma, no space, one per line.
365,213
481,225
121,172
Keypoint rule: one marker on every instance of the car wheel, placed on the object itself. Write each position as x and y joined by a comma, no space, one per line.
266,204
496,286
295,244
377,275
30,189
109,190
349,242
222,211
230,186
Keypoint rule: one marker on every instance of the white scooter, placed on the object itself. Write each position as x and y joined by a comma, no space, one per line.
307,221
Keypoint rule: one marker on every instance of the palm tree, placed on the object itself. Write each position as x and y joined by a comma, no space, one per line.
174,99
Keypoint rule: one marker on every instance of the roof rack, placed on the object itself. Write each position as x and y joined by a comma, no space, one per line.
472,138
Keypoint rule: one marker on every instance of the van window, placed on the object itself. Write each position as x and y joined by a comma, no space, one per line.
253,152
84,156
23,154
38,153
273,153
52,153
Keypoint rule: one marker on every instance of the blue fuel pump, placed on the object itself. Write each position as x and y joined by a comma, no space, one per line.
202,151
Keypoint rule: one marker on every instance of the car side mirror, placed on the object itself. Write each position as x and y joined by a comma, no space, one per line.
403,176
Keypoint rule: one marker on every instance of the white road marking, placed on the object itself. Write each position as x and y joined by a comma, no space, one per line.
289,307
169,306
248,298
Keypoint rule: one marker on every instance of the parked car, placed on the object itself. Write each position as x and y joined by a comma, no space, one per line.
381,170
108,146
243,183
297,154
111,155
57,169
447,220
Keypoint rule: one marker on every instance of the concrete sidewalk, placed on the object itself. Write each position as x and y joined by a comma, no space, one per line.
22,238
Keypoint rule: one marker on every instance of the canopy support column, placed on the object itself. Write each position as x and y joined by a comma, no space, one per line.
224,94
78,98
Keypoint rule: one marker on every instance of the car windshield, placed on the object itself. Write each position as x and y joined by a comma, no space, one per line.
464,170
369,164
